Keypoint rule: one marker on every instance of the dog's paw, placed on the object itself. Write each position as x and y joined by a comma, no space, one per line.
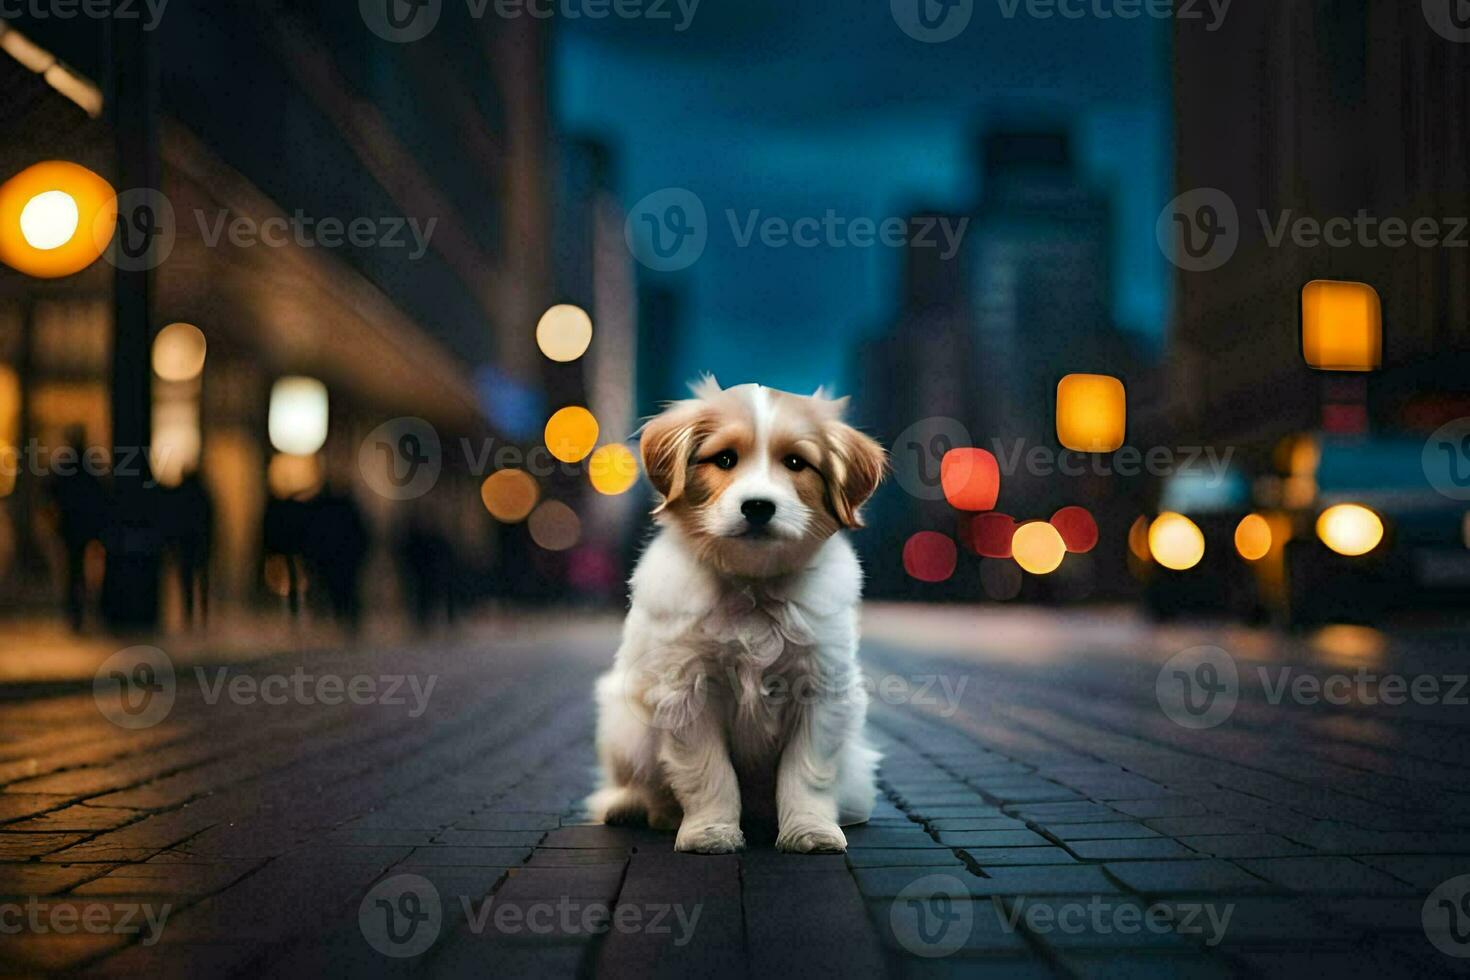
812,839
715,838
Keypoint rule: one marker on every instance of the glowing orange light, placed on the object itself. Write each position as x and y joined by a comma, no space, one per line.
1350,529
571,433
1253,537
613,469
509,495
56,218
555,526
1092,413
178,352
930,556
1077,528
291,475
1038,548
970,478
1342,326
1176,542
1138,539
564,332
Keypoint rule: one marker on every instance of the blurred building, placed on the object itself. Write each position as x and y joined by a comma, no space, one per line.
984,338
1321,111
283,116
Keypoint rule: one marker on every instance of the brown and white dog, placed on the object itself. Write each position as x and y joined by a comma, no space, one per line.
737,675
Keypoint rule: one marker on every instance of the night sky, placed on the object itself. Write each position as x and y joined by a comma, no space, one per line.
793,109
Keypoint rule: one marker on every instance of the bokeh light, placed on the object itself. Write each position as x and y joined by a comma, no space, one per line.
1092,413
1138,539
571,433
613,469
1176,542
1350,529
970,478
1001,580
178,352
990,534
1077,528
1038,548
1342,326
56,218
564,332
930,556
555,526
291,476
298,416
509,495
1253,537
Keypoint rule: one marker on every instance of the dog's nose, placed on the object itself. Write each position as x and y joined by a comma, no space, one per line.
758,512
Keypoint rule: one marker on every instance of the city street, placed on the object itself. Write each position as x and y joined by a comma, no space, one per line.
1059,801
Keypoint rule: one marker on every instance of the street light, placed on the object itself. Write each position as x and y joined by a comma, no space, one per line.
298,416
56,218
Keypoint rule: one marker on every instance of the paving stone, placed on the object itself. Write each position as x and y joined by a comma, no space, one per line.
1201,826
1323,874
977,927
987,857
978,823
1130,849
1421,871
45,879
759,861
20,847
460,857
76,818
1042,880
510,820
993,838
1244,845
1069,832
809,925
1175,877
887,837
902,857
1087,812
490,838
1161,806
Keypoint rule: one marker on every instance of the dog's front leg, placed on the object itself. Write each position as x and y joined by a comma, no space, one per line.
806,779
696,760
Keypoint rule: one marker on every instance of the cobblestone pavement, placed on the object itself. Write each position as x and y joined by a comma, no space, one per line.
397,810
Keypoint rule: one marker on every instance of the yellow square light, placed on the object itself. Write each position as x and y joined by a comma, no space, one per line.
1342,326
1092,413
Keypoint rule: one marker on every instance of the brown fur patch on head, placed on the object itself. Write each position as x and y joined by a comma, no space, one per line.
854,468
667,443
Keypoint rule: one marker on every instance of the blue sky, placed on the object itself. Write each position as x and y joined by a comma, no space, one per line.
791,110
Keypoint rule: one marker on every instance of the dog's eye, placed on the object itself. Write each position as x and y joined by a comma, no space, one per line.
725,460
794,463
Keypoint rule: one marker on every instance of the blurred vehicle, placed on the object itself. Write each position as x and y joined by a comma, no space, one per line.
1368,534
1184,555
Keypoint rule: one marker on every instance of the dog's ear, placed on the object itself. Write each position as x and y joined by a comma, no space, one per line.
666,445
854,464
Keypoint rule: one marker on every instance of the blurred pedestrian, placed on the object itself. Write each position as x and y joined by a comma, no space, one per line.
82,502
336,547
189,534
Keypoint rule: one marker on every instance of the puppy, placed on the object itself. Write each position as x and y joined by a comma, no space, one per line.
738,667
